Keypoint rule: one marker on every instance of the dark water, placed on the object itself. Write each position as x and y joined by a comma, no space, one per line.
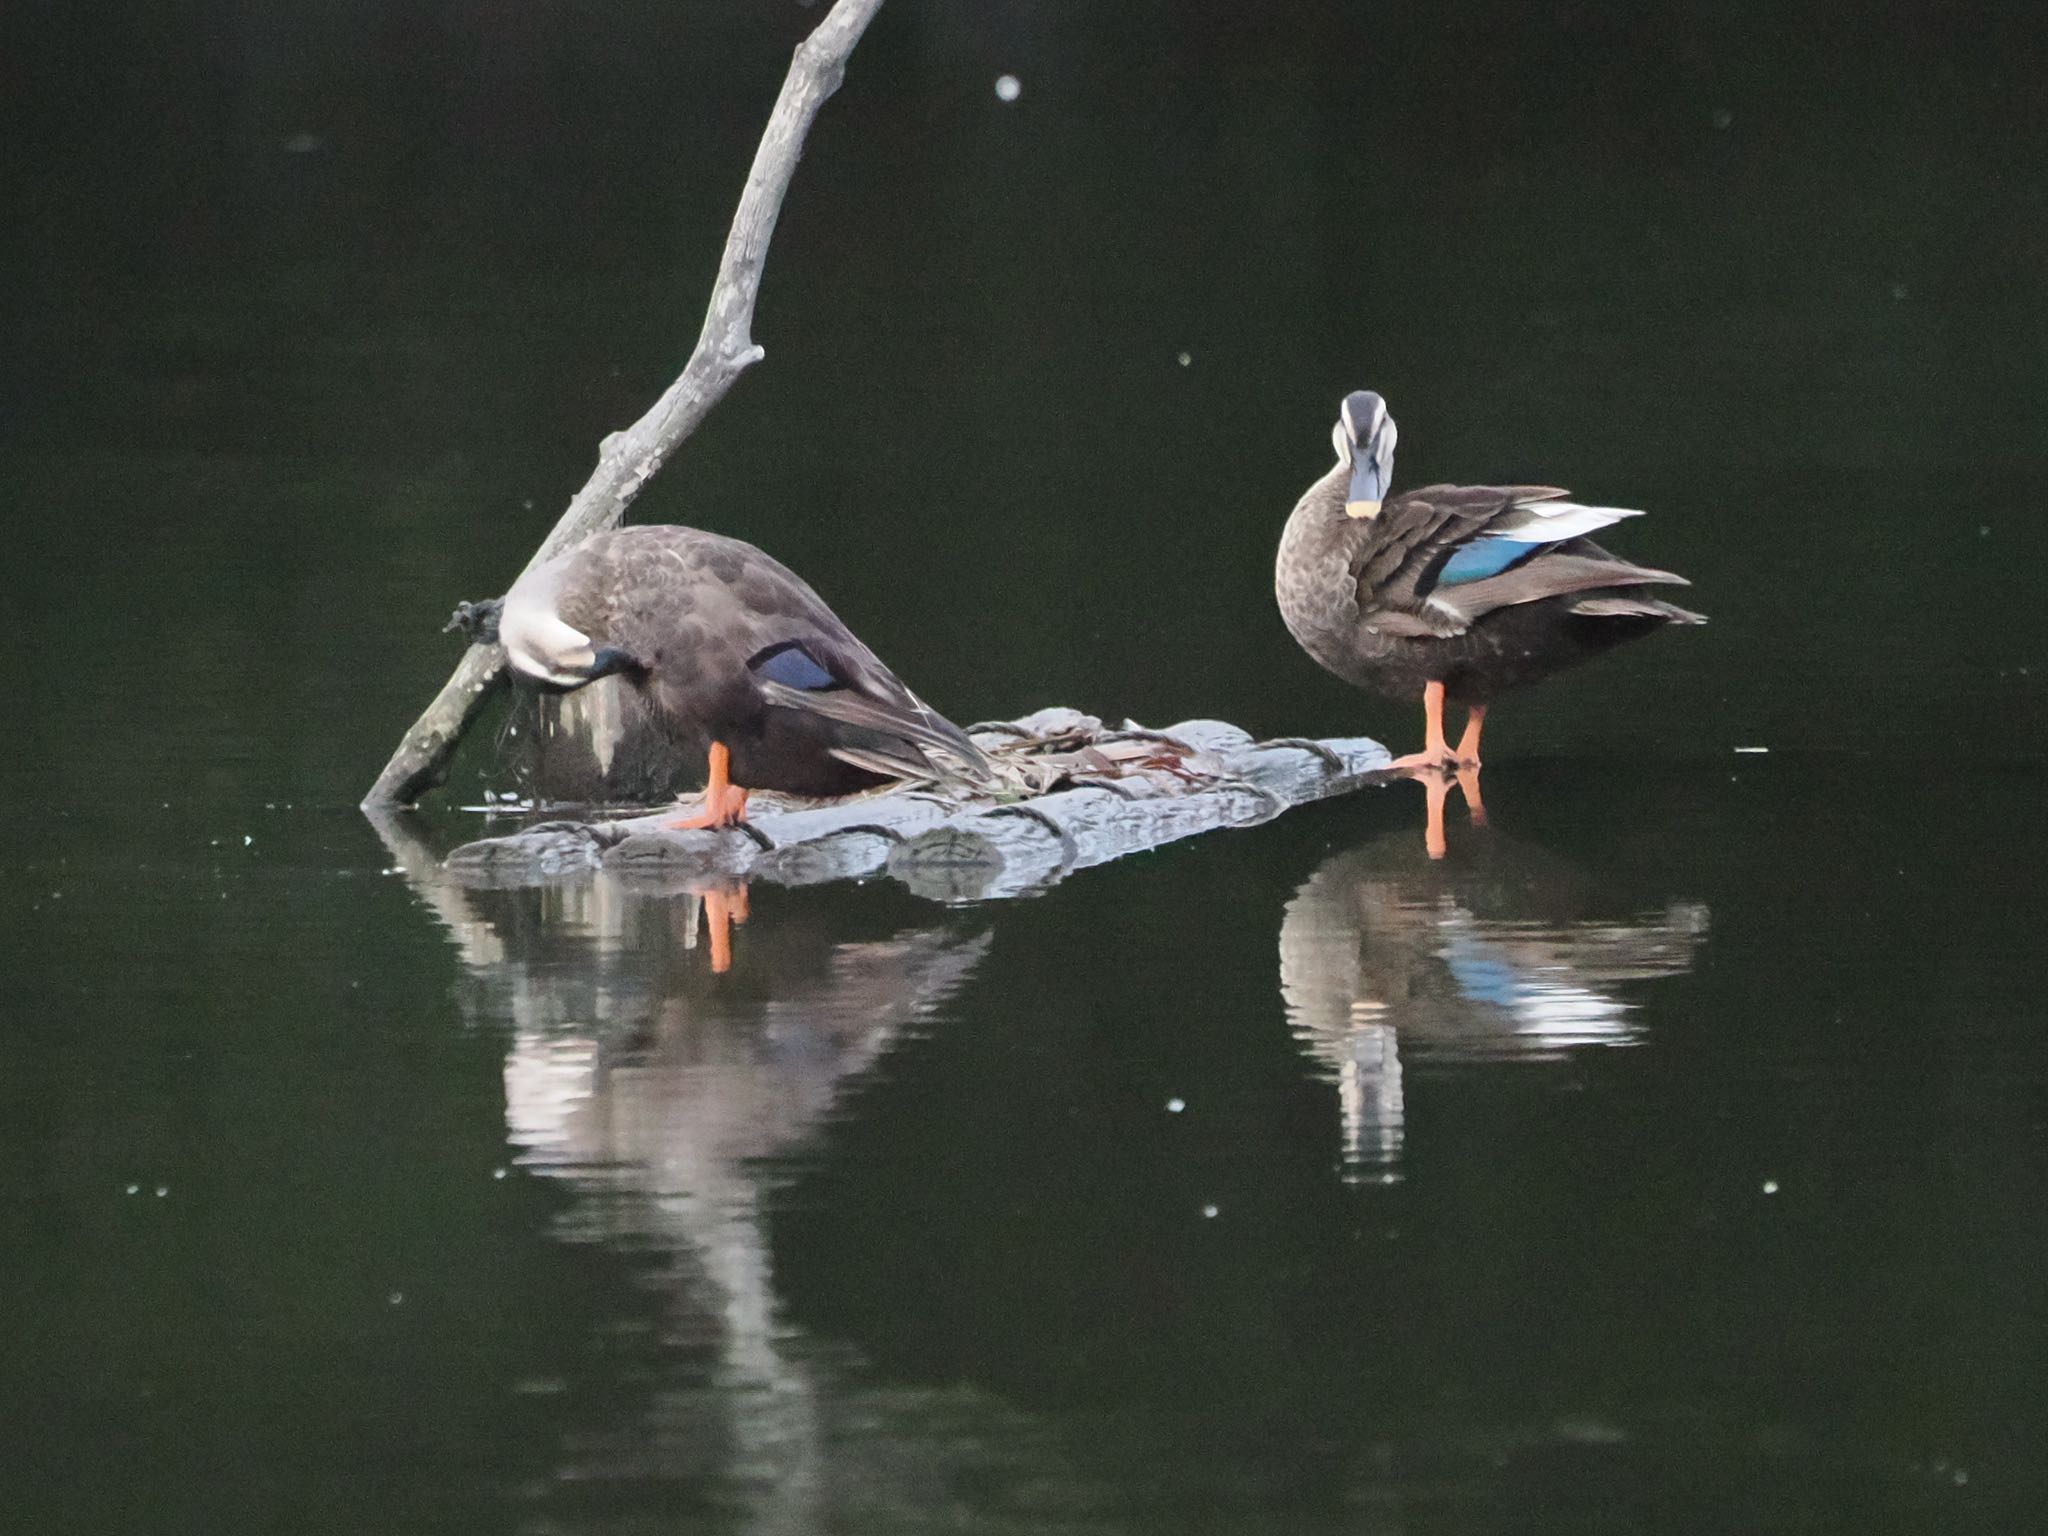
1671,1156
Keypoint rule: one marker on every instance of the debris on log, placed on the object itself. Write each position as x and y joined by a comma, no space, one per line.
1084,794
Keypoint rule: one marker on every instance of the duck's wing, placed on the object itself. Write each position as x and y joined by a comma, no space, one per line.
1447,555
802,656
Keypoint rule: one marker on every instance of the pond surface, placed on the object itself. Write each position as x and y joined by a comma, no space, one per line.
1672,1154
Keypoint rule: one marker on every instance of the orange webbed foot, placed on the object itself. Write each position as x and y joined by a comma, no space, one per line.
1424,762
1437,754
725,803
728,808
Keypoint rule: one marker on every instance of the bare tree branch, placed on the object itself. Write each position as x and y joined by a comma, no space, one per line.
629,459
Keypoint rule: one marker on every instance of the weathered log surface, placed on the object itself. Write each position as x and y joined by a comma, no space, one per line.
1088,794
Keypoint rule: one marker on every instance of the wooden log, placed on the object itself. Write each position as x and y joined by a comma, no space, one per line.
1111,792
628,460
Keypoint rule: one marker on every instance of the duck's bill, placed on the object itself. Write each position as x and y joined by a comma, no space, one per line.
1366,490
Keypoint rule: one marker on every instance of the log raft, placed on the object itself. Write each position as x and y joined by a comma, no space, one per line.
1089,794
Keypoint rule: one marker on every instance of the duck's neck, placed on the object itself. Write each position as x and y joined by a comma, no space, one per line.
1315,557
1318,523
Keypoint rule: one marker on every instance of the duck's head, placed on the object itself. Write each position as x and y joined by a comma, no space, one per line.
1365,436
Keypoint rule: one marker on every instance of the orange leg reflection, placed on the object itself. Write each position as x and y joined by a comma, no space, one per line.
1468,747
1468,785
723,911
724,801
1436,787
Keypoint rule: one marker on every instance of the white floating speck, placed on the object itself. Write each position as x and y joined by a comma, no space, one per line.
162,1190
1186,358
1209,1211
396,1298
497,1173
1175,1106
247,840
1008,88
134,1189
1753,751
1770,1186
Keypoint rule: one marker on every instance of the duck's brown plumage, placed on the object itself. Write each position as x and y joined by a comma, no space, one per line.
1356,593
1377,600
730,647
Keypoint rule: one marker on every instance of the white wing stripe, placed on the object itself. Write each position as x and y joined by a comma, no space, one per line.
1550,522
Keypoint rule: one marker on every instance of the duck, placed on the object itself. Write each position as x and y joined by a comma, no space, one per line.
740,661
1456,593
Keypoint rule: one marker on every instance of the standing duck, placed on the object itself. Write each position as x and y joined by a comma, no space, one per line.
738,659
1455,592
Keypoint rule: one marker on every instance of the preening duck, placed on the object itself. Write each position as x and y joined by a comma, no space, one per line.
740,660
1453,592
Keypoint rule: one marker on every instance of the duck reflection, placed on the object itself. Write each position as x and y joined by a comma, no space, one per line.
659,1072
658,1086
1393,954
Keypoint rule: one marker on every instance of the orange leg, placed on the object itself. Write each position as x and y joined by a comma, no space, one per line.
1436,752
1468,744
724,801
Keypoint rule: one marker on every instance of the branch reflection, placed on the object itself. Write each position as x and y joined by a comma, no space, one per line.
1392,954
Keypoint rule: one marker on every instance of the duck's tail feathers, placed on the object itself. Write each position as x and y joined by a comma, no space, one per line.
1636,608
922,730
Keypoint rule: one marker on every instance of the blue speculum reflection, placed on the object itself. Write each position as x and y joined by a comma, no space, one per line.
1496,953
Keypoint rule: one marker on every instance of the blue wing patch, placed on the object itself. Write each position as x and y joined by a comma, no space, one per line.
792,666
1483,558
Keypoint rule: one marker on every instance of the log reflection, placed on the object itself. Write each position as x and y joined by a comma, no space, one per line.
1392,954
